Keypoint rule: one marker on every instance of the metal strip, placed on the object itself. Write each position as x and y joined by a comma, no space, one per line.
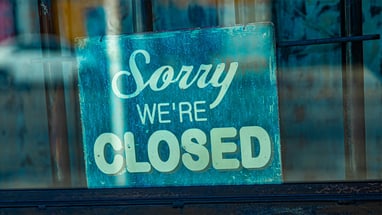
340,193
142,10
283,44
353,91
55,102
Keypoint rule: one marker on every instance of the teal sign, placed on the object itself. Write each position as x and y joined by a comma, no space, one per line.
183,108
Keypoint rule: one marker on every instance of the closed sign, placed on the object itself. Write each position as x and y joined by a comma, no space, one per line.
183,108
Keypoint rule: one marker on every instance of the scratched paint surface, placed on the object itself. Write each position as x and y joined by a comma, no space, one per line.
114,97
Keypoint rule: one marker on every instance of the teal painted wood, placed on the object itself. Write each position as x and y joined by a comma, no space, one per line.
194,107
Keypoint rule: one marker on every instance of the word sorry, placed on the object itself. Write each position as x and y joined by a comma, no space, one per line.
164,76
191,151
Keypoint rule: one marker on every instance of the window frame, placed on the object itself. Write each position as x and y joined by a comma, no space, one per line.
332,195
339,194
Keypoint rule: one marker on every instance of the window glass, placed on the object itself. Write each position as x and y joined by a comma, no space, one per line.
329,126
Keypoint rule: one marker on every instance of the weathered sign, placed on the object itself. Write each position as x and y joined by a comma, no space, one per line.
183,108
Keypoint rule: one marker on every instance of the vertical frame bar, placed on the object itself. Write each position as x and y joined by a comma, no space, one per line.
248,11
353,91
55,101
142,16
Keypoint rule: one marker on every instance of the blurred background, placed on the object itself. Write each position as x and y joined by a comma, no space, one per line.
330,123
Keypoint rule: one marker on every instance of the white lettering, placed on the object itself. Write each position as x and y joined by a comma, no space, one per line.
174,151
131,160
146,112
185,108
249,161
183,82
99,153
164,76
193,141
198,110
191,151
219,148
136,75
167,74
162,112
